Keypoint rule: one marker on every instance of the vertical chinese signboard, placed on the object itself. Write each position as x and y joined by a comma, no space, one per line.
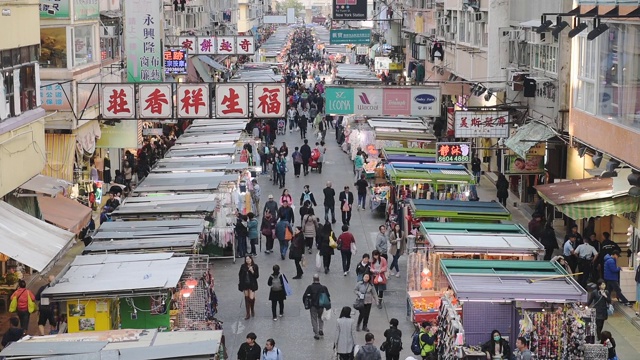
453,152
142,41
269,100
482,124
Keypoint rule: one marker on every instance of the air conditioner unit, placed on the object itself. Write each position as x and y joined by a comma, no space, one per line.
108,31
535,38
516,35
480,17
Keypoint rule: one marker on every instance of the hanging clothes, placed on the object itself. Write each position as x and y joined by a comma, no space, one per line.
437,51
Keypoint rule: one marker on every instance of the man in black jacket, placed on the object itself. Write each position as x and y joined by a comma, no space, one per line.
329,203
311,300
14,333
305,150
249,350
346,205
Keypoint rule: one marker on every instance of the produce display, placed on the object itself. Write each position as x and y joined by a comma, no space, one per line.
424,305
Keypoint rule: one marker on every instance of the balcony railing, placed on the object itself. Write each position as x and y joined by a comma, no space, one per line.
609,2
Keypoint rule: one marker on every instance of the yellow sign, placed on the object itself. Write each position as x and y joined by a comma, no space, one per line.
538,149
396,67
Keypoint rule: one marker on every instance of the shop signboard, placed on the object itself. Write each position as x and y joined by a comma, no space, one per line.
516,165
482,124
453,152
122,135
383,101
142,41
54,9
86,9
381,63
118,101
221,45
156,101
232,100
193,101
175,61
362,50
350,36
269,100
349,9
53,96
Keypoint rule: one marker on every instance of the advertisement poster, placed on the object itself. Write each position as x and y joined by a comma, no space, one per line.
349,9
516,165
453,152
386,101
54,9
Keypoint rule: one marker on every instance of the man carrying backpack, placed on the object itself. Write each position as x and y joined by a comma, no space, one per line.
316,299
423,342
392,346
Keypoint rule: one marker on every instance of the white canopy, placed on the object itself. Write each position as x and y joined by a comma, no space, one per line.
28,240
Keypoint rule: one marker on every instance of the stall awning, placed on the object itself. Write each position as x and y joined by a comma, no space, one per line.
45,185
585,198
65,213
30,241
476,211
213,63
528,136
201,69
505,280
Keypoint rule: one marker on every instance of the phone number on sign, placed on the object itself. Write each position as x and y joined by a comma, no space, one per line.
453,159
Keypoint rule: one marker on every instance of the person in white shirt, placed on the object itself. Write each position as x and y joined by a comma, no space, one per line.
587,256
291,117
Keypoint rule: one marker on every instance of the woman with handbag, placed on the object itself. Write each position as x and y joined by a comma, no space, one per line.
268,229
310,225
296,252
379,270
277,295
248,284
23,302
365,296
323,243
600,300
345,337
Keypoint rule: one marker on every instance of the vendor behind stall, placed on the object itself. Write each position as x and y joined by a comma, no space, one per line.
497,348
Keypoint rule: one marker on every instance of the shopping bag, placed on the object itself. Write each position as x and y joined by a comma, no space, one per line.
318,261
303,263
286,286
379,279
13,306
31,305
326,315
332,241
610,309
353,248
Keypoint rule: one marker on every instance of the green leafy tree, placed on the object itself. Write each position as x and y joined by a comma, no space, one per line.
286,4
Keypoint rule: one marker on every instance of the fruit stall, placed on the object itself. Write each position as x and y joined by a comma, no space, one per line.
538,300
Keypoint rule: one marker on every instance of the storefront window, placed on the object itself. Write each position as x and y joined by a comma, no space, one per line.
611,67
83,45
53,42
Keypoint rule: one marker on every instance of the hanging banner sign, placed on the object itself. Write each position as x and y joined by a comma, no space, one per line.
220,45
142,35
175,61
453,152
482,124
383,101
349,9
350,36
190,101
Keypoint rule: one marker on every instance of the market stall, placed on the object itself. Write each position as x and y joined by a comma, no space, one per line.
408,155
122,344
200,150
228,139
135,291
186,183
184,235
538,300
476,211
194,166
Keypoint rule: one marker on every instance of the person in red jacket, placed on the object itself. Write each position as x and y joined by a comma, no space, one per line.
22,294
344,243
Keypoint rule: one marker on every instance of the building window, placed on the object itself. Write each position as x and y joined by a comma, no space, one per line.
544,57
462,30
53,42
27,88
83,45
7,83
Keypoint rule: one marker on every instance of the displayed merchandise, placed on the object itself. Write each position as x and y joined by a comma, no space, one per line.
451,337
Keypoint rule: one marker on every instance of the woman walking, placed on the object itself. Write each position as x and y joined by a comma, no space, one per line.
286,197
600,299
365,290
379,269
502,186
297,251
326,251
252,232
310,225
398,242
345,337
26,304
277,295
284,233
270,351
268,229
248,284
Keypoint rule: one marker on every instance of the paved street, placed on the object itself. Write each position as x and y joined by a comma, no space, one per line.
295,328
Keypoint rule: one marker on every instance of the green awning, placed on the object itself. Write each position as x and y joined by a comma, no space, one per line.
602,207
528,136
430,227
468,211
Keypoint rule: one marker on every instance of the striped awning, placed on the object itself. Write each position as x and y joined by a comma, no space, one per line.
601,207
